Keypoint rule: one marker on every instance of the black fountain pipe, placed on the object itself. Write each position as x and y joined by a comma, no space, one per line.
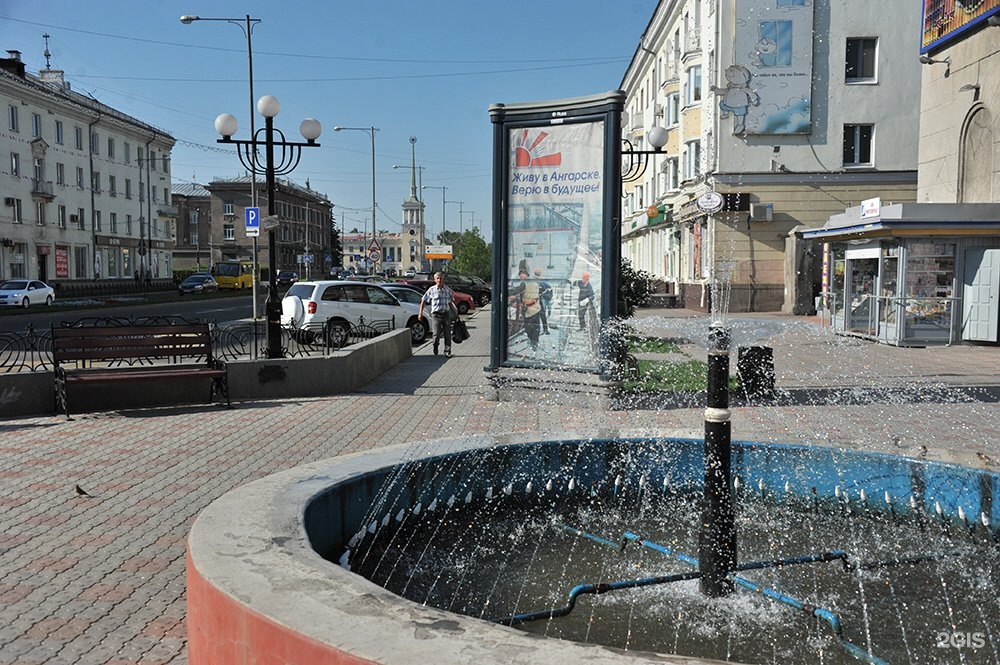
717,535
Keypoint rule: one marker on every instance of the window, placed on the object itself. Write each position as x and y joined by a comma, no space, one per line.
112,186
166,195
672,168
38,164
95,182
97,220
111,148
692,88
80,224
128,188
113,222
95,143
673,109
79,138
59,132
152,160
36,124
862,56
166,164
80,262
15,164
79,177
154,194
692,159
128,152
60,173
61,216
40,213
193,228
17,258
228,208
227,232
18,218
12,123
858,145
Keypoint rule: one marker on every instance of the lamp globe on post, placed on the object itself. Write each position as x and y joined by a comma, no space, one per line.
310,129
657,137
226,125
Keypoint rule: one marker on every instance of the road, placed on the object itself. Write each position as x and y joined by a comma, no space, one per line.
219,308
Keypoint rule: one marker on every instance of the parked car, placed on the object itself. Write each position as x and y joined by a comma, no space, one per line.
287,277
410,273
200,282
475,287
26,292
335,306
463,301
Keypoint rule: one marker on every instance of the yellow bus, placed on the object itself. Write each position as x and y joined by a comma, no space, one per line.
234,274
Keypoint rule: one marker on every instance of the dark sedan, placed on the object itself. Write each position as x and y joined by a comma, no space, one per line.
198,283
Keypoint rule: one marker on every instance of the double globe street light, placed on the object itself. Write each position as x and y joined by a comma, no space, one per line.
291,152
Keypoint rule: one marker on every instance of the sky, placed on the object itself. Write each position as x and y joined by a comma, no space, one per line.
426,69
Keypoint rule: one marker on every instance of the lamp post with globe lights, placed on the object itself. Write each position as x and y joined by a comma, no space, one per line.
291,152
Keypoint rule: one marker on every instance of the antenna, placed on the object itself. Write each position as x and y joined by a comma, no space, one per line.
47,54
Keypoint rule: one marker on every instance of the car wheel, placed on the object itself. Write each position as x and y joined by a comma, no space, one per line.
25,302
463,307
418,331
48,301
484,299
337,334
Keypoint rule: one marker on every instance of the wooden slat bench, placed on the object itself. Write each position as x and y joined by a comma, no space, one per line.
134,353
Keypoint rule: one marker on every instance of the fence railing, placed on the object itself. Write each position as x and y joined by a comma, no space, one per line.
31,350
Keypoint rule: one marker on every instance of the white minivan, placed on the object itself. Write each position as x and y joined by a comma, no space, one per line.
337,306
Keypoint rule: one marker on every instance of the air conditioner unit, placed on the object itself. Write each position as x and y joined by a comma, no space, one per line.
761,212
8,201
74,218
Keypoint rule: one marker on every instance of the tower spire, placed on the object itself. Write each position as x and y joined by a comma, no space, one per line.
413,167
47,54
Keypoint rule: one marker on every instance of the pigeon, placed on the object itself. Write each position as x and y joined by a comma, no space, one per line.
81,492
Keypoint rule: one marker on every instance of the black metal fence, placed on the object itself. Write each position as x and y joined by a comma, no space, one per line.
31,350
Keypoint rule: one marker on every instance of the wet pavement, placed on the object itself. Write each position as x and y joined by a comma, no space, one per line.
99,578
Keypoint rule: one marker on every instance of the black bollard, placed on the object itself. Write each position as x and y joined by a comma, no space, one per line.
717,536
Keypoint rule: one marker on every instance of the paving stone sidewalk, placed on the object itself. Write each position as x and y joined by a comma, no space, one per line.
100,579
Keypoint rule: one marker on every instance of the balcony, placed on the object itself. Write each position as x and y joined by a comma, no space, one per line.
166,210
42,189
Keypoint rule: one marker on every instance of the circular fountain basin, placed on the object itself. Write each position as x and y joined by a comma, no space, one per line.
264,585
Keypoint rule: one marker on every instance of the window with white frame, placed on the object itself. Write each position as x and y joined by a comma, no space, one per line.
15,164
97,220
113,222
127,149
36,124
79,177
861,61
111,148
38,166
78,132
228,208
80,219
128,188
40,209
193,228
672,114
95,182
12,119
59,132
60,173
692,86
61,216
18,212
112,186
95,143
858,145
228,233
152,160
692,159
672,167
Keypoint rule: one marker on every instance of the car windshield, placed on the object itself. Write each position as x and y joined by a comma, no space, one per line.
13,286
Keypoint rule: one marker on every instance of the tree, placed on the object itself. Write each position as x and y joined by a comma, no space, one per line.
633,289
472,255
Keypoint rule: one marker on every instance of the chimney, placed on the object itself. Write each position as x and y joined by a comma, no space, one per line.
54,77
13,63
14,54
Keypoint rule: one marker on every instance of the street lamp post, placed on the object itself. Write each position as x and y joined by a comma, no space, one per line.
420,176
460,204
371,133
461,220
291,152
444,191
246,25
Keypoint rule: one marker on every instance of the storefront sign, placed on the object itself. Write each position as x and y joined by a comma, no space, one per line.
709,202
62,261
871,208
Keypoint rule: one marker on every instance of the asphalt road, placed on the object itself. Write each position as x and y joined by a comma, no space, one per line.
222,307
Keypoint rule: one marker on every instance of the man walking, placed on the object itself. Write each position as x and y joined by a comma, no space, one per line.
439,298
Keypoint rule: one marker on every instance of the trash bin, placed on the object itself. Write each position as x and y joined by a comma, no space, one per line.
755,367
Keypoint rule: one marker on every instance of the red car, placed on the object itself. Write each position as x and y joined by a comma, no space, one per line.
463,301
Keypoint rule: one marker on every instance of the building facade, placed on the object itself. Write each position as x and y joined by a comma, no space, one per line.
193,250
776,113
86,188
304,222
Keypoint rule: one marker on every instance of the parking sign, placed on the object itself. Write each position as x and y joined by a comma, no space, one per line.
253,222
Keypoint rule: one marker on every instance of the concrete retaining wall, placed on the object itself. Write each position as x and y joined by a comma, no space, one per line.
24,394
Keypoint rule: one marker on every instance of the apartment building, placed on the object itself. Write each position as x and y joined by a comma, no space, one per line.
777,114
86,188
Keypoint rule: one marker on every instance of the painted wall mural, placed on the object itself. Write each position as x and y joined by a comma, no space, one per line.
945,19
767,89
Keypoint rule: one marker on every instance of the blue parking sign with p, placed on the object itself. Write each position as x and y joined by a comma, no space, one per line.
253,222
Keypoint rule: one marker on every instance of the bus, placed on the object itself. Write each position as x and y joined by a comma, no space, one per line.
234,274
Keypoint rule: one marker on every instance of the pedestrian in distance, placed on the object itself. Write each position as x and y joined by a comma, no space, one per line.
439,299
585,298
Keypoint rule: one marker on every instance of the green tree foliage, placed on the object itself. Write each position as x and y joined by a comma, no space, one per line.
472,256
633,289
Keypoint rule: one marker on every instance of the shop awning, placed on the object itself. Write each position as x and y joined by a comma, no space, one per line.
911,219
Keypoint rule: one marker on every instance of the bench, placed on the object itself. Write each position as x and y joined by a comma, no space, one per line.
134,353
663,300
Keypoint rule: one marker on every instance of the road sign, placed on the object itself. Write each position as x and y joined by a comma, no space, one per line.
253,222
374,246
269,222
307,258
438,252
375,255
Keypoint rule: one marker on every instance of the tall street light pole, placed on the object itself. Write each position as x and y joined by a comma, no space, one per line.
371,133
291,152
460,204
246,25
420,176
444,191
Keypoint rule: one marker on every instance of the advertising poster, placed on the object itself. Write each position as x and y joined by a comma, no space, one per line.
555,243
767,87
62,262
944,19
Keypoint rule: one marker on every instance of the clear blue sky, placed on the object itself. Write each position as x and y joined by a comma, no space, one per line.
428,69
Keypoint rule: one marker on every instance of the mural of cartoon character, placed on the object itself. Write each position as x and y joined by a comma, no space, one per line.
765,53
737,96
